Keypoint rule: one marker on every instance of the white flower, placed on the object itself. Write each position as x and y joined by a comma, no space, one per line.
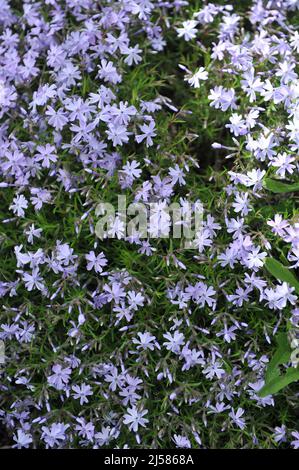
188,30
283,162
200,75
18,205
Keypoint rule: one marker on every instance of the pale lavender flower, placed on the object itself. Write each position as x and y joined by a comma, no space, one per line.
237,418
280,433
135,418
174,342
54,434
82,392
22,439
181,442
60,377
148,132
295,442
96,262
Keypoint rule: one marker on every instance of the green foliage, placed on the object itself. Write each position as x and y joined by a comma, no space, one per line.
274,379
278,187
190,131
281,272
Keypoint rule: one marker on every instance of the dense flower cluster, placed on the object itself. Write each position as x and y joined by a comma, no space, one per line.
129,341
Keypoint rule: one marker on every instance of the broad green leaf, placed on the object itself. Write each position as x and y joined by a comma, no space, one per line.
280,382
274,380
278,187
281,356
281,272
